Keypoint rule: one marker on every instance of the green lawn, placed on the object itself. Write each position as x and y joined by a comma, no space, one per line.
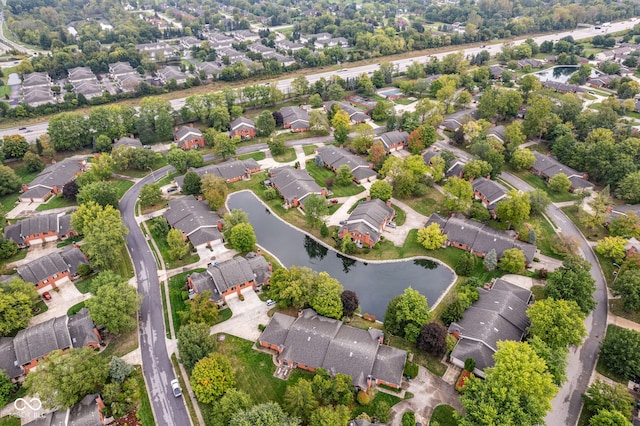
429,362
55,203
21,254
309,149
145,412
160,162
538,292
124,267
87,285
391,400
10,421
544,236
176,298
428,204
616,308
161,242
575,214
401,216
320,175
121,344
539,183
122,186
288,156
444,415
258,155
165,310
75,309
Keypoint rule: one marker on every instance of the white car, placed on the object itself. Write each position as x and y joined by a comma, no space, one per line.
271,302
175,387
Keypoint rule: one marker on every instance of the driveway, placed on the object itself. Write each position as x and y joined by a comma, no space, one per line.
247,316
60,302
414,220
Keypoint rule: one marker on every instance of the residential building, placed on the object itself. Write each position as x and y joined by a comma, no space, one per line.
453,122
127,141
455,169
40,229
88,89
36,96
260,48
219,41
87,412
195,220
294,185
547,167
306,38
284,61
78,74
171,72
355,114
51,180
230,171
367,221
311,341
288,46
210,68
295,118
499,315
479,239
243,127
534,63
231,276
489,192
189,42
496,71
497,132
156,51
333,157
119,69
332,42
394,140
48,271
36,79
245,35
188,137
230,53
632,246
128,83
22,353
563,87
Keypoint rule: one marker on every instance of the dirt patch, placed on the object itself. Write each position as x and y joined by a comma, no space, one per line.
128,420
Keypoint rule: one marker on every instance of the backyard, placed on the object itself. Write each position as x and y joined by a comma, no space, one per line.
320,175
161,242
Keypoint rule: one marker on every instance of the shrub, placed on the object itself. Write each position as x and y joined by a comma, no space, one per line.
84,270
363,398
411,369
270,194
469,365
409,418
261,327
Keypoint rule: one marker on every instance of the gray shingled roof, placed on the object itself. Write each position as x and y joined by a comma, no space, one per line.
81,329
389,364
41,339
294,114
478,351
186,133
336,157
489,189
549,166
220,277
242,122
230,170
55,418
194,219
85,412
352,351
73,258
53,222
42,267
57,174
294,183
260,267
8,360
37,192
368,217
127,141
355,114
276,332
392,138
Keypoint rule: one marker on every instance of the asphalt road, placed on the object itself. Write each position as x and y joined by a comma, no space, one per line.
156,365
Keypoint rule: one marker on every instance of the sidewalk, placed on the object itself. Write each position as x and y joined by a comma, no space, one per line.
622,322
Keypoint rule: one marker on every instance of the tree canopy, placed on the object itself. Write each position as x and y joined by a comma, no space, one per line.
406,314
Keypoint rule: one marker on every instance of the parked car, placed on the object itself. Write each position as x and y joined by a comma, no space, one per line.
46,295
175,387
391,224
343,222
271,302
172,189
22,128
334,201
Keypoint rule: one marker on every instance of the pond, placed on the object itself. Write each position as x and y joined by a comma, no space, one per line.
375,283
560,74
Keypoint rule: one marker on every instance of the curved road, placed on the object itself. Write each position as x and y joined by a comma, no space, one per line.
157,367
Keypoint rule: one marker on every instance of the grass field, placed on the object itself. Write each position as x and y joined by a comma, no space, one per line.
391,400
176,283
145,412
122,186
444,415
320,175
75,309
288,156
575,214
309,149
121,344
429,362
616,308
401,216
161,242
55,203
428,204
544,236
258,155
539,183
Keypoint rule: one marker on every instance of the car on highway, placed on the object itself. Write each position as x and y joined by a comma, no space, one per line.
271,302
175,388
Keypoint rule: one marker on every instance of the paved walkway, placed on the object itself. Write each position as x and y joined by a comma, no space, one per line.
622,322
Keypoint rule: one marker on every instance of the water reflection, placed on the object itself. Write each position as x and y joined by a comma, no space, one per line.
314,249
347,263
425,263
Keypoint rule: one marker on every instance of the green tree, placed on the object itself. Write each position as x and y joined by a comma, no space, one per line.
100,192
458,194
68,131
327,300
406,314
344,176
178,247
490,262
572,282
330,416
9,180
119,370
194,343
103,144
212,377
522,372
538,116
559,183
612,248
15,309
381,189
225,146
231,403
627,226
200,309
335,92
33,162
293,287
299,400
6,388
555,358
609,418
315,101
150,194
341,123
265,124
476,168
522,159
215,190
116,307
431,237
315,209
265,414
620,352
515,208
627,285
63,378
629,188
558,323
242,237
539,201
103,232
421,138
15,146
192,183
231,219
154,122
381,111
512,261
178,159
602,396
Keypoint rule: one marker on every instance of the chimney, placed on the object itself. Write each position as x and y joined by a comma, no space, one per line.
175,129
259,252
299,313
131,135
389,203
368,197
191,125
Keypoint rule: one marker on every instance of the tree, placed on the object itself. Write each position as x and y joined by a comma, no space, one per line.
572,282
381,111
522,159
538,116
68,131
344,176
215,190
315,209
265,414
627,285
293,287
490,262
194,343
629,188
350,303
315,101
377,154
558,323
265,124
627,225
200,309
555,358
191,185
522,372
119,370
512,261
103,144
431,237
421,138
609,418
15,146
559,183
406,314
612,248
539,201
340,123
326,299
212,377
16,304
225,146
458,194
231,403
620,352
242,237
329,416
115,306
63,378
33,162
150,194
9,180
6,388
381,189
178,159
101,192
515,208
154,122
178,246
231,219
103,232
476,168
299,399
602,396
335,92
432,339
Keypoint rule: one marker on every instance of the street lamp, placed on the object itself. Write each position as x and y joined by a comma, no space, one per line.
153,176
